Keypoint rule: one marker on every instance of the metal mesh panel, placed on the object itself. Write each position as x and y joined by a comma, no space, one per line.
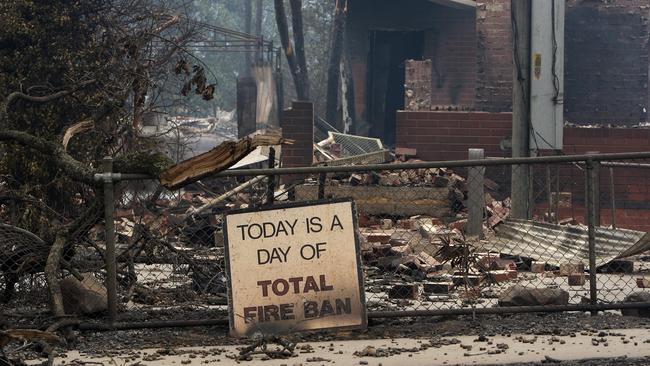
445,239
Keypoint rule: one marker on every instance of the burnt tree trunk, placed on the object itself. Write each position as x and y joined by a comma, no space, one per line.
287,46
299,41
334,65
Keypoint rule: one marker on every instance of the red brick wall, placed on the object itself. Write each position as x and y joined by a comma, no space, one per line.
494,57
451,47
443,136
298,124
448,135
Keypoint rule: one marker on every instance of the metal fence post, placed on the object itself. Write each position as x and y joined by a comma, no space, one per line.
321,185
549,195
111,265
475,195
591,197
613,196
270,191
596,189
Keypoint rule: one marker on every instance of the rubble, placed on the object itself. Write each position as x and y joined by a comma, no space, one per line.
567,269
643,282
86,297
637,297
577,279
538,267
438,287
404,291
522,296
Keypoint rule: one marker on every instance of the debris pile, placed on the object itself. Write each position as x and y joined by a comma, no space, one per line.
433,192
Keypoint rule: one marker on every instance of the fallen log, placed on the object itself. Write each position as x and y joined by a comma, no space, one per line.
220,158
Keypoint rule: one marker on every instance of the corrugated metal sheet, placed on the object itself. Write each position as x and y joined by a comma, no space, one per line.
556,244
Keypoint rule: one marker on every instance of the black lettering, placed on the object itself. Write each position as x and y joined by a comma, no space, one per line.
310,285
259,256
327,309
275,255
249,315
271,311
311,309
323,285
258,228
336,222
343,308
284,253
319,249
268,233
311,248
265,287
276,285
296,284
293,232
286,312
242,227
315,224
281,228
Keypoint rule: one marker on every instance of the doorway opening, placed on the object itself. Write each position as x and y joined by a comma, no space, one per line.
388,51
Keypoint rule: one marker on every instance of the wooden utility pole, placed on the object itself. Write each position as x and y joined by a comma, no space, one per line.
521,29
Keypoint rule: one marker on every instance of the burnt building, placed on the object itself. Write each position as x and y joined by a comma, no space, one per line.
463,60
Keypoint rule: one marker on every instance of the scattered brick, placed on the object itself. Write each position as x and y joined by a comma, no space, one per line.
409,291
569,268
459,225
472,280
513,274
438,287
383,238
499,276
577,279
401,250
406,151
386,224
382,250
537,267
398,242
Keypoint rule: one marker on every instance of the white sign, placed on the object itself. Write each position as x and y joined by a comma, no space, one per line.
294,268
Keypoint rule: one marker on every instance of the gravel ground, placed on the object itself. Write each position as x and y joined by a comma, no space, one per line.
623,361
561,324
426,330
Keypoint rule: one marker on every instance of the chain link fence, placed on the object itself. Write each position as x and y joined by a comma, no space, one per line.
436,238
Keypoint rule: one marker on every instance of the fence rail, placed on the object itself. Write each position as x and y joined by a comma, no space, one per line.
437,238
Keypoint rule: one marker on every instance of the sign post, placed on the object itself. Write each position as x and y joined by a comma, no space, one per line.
294,268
